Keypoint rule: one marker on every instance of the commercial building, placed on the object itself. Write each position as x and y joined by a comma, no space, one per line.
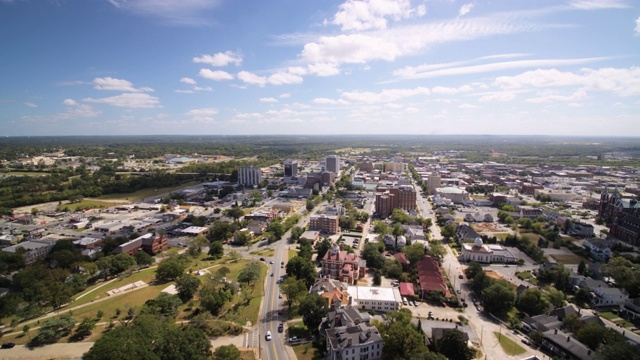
32,250
430,277
433,182
290,168
327,224
456,195
249,176
375,298
482,253
333,163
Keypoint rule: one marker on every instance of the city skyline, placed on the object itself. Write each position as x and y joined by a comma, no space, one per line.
218,67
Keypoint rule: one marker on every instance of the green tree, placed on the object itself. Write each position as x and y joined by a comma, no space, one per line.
294,289
164,304
592,335
196,244
555,297
216,250
322,247
582,266
314,308
54,329
472,269
235,212
498,298
380,227
414,252
226,352
143,259
375,260
170,269
187,285
249,273
532,302
449,231
401,339
303,269
255,197
296,232
437,250
85,328
454,346
221,231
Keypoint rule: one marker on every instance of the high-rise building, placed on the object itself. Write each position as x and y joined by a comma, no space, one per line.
333,163
433,182
325,223
290,168
249,175
401,197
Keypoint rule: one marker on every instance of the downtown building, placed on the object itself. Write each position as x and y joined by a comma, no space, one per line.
332,163
400,197
249,176
622,215
290,168
328,224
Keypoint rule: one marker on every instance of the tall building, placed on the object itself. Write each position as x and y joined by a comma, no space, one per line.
333,163
400,197
622,215
249,175
325,223
433,182
290,168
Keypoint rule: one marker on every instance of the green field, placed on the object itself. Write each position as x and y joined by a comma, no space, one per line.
141,194
509,346
86,204
146,275
306,352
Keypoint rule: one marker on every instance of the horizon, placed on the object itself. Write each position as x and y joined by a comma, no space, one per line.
333,68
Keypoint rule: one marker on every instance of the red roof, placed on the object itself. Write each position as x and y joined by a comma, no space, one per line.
430,277
406,289
402,258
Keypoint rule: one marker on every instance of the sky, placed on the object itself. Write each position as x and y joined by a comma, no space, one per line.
305,67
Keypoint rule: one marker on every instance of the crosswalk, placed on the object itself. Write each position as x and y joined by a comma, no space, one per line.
252,339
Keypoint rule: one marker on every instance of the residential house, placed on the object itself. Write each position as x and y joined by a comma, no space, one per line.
579,229
402,259
466,234
354,342
334,291
257,226
599,248
565,346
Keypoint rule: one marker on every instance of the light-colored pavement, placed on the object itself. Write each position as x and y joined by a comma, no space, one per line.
63,351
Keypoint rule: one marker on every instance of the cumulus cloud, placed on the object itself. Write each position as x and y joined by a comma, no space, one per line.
74,111
498,96
443,90
111,84
187,80
251,78
220,59
217,75
553,96
269,100
175,12
327,101
324,69
202,112
468,106
281,78
465,9
373,14
637,29
128,100
31,105
285,95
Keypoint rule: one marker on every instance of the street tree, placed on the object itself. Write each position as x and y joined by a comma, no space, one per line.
533,302
303,269
249,273
498,298
143,259
313,308
227,352
453,345
472,269
294,289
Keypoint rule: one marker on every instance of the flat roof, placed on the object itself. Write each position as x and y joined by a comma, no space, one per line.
360,293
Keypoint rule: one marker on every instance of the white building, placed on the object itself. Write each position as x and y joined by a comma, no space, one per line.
456,195
249,175
481,253
375,298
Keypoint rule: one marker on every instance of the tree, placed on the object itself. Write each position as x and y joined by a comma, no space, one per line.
250,273
401,338
532,302
303,269
449,231
196,244
143,259
220,231
226,352
294,289
582,266
85,328
164,304
313,307
592,335
322,247
454,346
380,227
377,277
216,250
555,297
255,196
187,285
414,252
310,205
374,258
582,297
498,298
437,250
472,269
235,212
169,270
276,229
296,231
54,329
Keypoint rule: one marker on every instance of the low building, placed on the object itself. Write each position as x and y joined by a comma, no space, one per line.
375,298
466,234
430,277
565,346
335,292
153,244
487,254
341,265
195,230
599,248
109,227
353,342
311,235
456,195
32,250
579,229
130,247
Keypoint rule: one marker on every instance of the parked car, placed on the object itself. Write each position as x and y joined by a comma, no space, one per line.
8,345
261,259
293,339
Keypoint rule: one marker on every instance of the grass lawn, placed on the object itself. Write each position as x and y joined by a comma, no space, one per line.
501,236
268,252
292,253
567,259
306,351
509,346
298,329
249,312
146,275
608,315
133,299
86,204
141,194
247,355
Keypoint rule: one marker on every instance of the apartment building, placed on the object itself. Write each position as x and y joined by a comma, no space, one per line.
398,197
249,176
327,224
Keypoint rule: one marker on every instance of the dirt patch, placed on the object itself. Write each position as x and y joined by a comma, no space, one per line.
486,227
567,259
494,275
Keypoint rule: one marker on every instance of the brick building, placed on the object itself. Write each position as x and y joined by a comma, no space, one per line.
399,197
325,223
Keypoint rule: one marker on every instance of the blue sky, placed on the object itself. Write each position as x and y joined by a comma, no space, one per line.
225,67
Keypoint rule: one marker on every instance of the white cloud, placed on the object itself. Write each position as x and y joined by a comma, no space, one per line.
109,83
552,96
468,106
637,29
498,96
187,80
326,101
465,9
176,12
217,75
184,91
297,70
623,82
69,102
269,100
443,90
324,69
405,40
73,111
281,78
285,95
372,14
31,105
450,69
202,112
128,100
385,96
220,59
202,88
598,4
251,78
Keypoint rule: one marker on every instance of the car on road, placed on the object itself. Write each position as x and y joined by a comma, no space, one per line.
294,339
270,261
261,259
279,296
280,328
268,336
8,345
271,274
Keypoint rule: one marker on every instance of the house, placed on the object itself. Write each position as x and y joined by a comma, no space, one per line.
339,264
375,298
257,226
344,316
541,323
359,341
406,290
334,291
579,229
430,277
466,234
565,346
599,248
402,259
414,233
602,295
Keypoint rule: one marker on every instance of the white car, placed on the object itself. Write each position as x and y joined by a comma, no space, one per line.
268,336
